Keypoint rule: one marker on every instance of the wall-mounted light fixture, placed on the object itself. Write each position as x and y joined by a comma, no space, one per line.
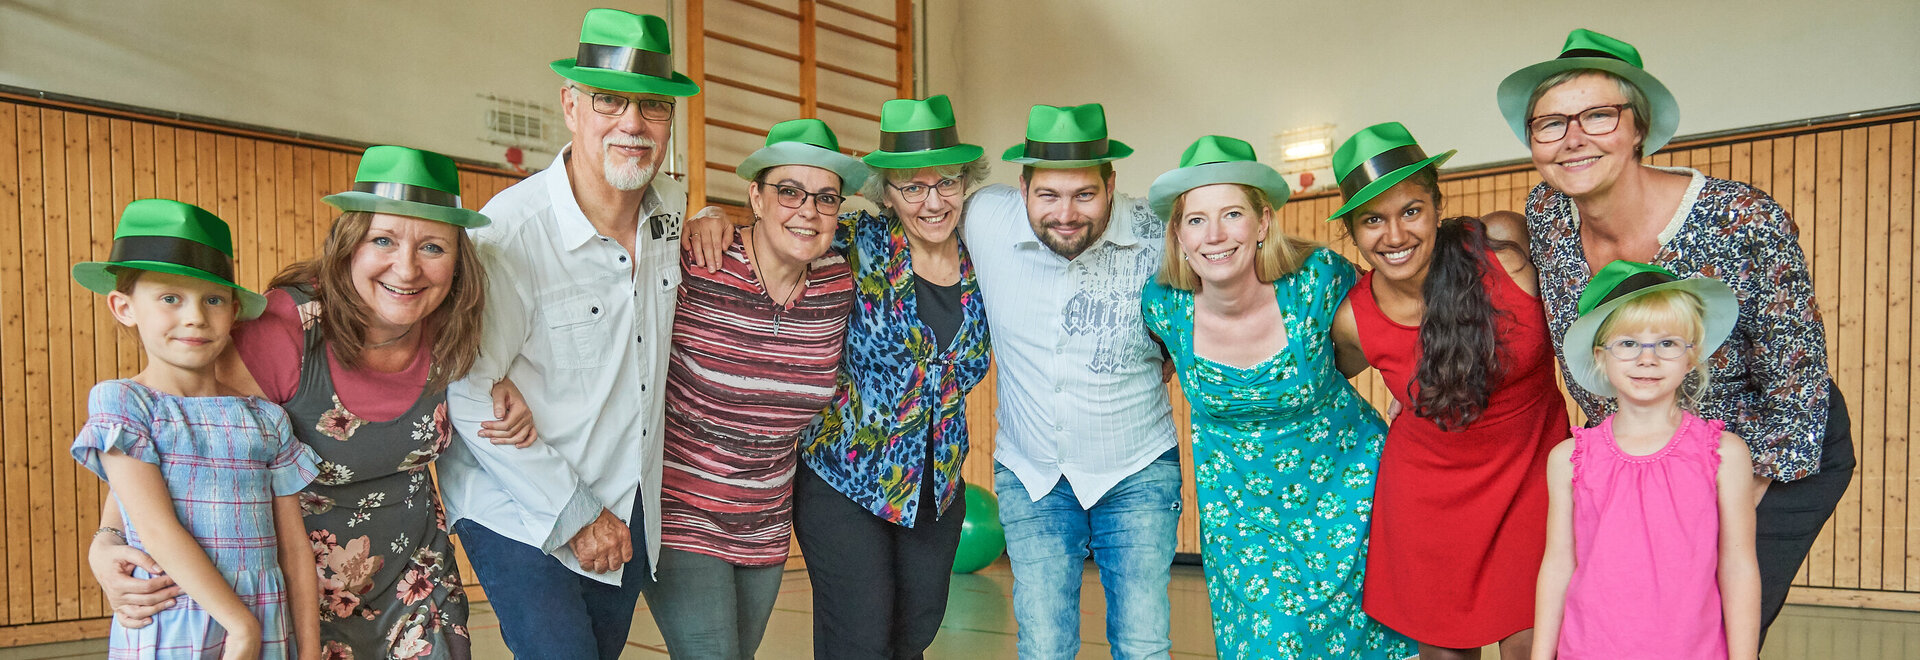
1304,152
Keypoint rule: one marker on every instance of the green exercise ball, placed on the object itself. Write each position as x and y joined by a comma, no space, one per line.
981,539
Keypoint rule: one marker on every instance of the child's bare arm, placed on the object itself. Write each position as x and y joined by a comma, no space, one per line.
1556,566
143,491
296,562
1739,566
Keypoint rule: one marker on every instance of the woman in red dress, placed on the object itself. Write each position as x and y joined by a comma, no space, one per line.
1450,316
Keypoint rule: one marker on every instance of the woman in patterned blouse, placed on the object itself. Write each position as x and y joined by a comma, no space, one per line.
1589,116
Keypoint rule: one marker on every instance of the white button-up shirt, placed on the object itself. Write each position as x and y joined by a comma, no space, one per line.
582,328
1079,386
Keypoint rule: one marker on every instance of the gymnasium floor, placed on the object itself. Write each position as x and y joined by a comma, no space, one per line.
979,624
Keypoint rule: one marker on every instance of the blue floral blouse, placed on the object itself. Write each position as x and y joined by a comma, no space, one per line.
899,391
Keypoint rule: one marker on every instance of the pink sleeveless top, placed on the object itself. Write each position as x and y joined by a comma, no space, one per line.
1646,548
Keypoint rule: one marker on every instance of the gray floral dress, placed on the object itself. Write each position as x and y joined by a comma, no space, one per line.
389,587
1285,454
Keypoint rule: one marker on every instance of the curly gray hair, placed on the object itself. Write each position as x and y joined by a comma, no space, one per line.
970,175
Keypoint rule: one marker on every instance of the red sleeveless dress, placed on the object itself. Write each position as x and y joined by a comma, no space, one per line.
1460,517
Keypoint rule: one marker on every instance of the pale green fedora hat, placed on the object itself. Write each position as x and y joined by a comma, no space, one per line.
1586,49
165,236
805,142
1216,159
409,182
1067,137
1621,281
625,52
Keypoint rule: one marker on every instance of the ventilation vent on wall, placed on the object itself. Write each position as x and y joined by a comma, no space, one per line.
524,124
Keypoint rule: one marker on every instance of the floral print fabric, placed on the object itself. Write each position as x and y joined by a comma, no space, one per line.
1770,378
1285,455
898,392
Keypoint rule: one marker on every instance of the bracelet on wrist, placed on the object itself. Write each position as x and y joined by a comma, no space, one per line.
111,530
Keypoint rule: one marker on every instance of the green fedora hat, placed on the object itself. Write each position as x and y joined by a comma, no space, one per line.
1216,159
805,142
165,236
920,133
1066,137
409,182
1621,281
625,52
1375,159
1586,49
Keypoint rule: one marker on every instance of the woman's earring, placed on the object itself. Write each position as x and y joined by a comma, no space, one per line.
1183,256
1259,244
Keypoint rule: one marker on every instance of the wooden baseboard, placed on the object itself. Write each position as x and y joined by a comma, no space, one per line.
1904,601
58,631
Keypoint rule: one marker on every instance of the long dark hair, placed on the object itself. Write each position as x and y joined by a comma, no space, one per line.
1459,340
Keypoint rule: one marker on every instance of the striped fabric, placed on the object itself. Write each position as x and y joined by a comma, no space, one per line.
741,385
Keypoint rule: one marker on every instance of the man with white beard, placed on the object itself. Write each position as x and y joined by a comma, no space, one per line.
583,266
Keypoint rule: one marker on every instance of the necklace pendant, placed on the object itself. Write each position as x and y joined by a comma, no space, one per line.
776,325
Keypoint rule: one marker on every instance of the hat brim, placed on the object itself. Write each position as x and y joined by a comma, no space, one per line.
99,277
1116,150
851,171
958,154
1518,87
623,81
1382,184
355,200
1171,185
1723,311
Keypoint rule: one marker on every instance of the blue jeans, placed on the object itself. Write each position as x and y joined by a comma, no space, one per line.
545,609
1131,533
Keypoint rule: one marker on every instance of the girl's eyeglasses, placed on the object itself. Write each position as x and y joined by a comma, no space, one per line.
1670,348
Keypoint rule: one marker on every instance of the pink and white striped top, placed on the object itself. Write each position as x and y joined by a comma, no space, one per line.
743,380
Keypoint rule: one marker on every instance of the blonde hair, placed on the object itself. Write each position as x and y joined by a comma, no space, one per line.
1278,254
1670,310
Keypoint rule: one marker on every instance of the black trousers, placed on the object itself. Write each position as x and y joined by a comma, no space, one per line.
879,589
1792,512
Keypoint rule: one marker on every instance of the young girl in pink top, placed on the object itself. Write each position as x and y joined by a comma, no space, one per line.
1650,546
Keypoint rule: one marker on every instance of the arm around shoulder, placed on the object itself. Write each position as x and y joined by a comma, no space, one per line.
1508,233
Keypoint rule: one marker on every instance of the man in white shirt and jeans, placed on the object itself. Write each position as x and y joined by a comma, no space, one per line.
583,268
1086,461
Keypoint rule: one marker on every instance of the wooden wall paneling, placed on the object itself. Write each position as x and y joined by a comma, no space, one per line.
1873,386
300,208
1906,191
56,479
286,226
1851,324
14,494
1897,226
246,217
78,340
1720,162
265,199
1824,199
98,343
25,454
1787,182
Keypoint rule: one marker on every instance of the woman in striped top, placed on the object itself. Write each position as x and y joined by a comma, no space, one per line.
757,342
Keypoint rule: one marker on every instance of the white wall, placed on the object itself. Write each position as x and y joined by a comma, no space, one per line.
1170,71
399,71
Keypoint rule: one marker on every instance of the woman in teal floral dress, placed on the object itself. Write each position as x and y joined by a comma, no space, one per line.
1285,450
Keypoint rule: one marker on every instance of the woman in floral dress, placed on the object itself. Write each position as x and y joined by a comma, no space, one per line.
358,345
1285,450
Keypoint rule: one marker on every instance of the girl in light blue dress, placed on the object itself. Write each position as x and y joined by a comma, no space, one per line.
206,481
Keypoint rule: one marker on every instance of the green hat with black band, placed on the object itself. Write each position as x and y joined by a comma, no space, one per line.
805,142
1586,49
920,133
625,52
1064,137
1622,281
1374,160
409,182
165,236
1216,159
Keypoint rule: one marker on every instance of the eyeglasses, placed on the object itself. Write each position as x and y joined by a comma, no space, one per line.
614,105
1671,348
914,192
1597,120
791,197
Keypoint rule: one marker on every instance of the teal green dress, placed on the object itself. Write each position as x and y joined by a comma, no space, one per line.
1285,455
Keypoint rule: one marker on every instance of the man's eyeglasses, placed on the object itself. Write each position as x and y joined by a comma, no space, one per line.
1670,348
914,192
614,105
1597,120
792,197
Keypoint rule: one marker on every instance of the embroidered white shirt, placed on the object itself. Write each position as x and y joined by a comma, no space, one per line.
584,334
1078,381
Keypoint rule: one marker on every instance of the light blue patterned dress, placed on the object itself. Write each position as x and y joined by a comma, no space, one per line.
1285,455
224,458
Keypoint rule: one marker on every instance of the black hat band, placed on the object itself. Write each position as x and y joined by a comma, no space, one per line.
1635,282
1087,150
406,192
1588,52
927,140
621,58
1380,165
173,250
